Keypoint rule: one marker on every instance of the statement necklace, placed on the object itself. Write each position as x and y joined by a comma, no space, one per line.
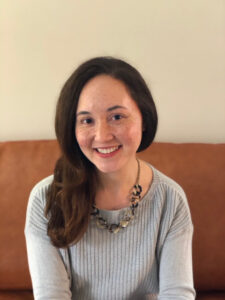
128,216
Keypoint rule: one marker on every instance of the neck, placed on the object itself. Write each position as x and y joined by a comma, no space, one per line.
122,179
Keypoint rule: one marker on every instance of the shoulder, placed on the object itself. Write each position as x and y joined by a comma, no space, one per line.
168,182
172,202
167,186
40,188
38,193
35,217
169,196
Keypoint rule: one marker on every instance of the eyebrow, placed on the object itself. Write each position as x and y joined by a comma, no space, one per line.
84,112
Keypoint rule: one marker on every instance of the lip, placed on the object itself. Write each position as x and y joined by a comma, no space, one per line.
107,155
107,147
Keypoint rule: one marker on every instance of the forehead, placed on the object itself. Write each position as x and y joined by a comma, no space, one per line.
104,91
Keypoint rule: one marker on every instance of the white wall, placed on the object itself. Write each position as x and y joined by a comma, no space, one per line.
178,45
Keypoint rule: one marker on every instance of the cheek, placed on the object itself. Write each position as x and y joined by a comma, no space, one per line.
132,134
82,138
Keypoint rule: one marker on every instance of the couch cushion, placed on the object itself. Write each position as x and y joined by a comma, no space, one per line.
211,296
16,295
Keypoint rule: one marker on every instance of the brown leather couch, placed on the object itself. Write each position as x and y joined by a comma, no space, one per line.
199,168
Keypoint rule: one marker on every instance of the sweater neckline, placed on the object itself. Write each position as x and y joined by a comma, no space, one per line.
146,197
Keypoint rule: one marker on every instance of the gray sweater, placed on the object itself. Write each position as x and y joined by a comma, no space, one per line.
150,259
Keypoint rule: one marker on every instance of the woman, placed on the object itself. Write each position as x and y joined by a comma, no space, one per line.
107,225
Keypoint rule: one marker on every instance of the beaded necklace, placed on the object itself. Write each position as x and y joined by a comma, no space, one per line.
129,214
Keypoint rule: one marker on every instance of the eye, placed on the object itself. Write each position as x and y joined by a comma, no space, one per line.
117,117
86,121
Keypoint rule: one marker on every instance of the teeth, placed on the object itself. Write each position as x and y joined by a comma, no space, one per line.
108,150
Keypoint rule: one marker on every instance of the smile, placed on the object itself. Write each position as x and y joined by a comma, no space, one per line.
107,150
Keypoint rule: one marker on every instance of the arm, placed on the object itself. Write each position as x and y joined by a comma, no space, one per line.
50,278
175,269
175,259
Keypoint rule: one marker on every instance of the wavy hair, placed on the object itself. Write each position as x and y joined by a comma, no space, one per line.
72,192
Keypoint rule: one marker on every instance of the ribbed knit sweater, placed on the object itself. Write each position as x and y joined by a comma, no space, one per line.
150,259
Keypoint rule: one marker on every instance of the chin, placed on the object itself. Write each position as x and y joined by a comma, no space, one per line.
107,168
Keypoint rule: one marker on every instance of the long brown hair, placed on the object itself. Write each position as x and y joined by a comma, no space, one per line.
72,192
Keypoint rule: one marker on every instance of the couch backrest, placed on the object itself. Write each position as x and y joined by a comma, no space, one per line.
199,168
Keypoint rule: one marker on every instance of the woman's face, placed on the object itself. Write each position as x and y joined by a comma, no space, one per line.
108,124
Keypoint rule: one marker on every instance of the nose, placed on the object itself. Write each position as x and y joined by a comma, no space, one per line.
103,132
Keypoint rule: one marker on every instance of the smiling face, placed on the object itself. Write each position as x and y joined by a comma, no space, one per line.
108,124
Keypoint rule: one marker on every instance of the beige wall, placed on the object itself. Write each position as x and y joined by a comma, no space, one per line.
178,45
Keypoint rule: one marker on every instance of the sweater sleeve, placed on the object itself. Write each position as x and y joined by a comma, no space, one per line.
175,260
49,273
